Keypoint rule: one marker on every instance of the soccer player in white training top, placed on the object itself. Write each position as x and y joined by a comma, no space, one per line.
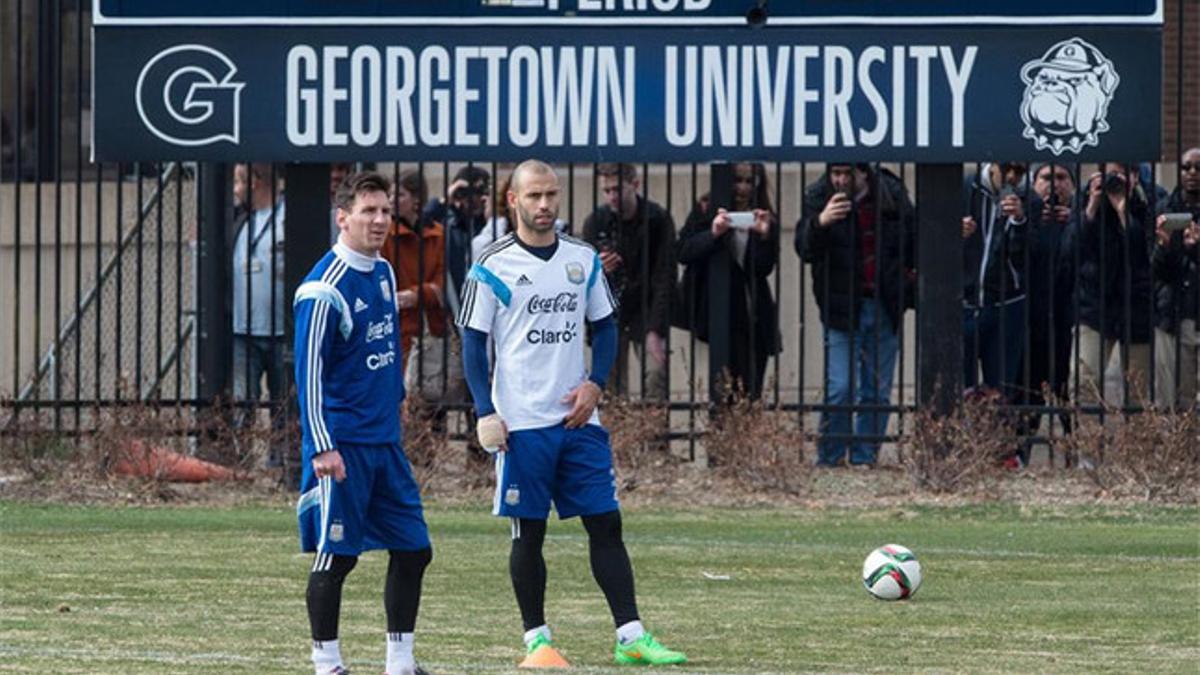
533,290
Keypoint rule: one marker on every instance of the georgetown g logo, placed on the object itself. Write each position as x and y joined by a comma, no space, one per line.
186,96
1067,93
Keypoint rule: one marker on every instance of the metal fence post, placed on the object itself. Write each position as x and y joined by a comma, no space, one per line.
214,336
720,278
308,230
939,285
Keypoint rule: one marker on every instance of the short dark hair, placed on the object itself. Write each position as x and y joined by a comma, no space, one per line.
358,183
619,170
473,174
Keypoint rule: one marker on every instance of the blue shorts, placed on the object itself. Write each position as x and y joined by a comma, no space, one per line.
377,506
571,467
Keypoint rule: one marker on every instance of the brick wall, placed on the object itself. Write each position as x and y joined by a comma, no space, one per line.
1173,122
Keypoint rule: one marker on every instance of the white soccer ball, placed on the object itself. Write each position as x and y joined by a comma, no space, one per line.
892,572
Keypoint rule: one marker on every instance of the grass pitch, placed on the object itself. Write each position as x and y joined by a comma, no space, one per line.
1007,589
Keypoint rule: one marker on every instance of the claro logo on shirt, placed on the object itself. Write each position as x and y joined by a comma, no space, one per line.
540,336
381,359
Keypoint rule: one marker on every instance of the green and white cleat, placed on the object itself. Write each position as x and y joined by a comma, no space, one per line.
646,651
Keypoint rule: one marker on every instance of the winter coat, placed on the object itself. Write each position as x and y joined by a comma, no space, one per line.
833,252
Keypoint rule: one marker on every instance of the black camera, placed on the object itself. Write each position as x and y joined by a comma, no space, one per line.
468,191
1114,184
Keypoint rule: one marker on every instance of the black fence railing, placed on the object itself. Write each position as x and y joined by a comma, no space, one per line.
794,284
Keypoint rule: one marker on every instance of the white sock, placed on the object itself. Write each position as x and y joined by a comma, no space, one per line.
325,656
630,632
399,652
531,634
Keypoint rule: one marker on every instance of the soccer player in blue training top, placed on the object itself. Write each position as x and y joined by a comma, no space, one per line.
357,492
531,291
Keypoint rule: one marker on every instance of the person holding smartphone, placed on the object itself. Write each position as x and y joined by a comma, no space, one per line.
635,237
1177,288
1049,287
996,238
753,255
857,235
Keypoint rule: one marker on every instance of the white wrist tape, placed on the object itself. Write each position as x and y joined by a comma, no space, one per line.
492,432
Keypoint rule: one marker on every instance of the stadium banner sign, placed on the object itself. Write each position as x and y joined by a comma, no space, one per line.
622,12
575,93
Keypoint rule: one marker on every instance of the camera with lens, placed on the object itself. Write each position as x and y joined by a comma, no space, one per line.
470,190
1114,184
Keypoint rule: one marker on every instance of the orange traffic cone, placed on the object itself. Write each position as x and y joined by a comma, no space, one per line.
544,656
144,461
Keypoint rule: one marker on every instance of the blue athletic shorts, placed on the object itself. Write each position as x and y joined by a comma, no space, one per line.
571,467
377,506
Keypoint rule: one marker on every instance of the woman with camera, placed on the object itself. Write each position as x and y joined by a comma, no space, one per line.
753,253
1110,251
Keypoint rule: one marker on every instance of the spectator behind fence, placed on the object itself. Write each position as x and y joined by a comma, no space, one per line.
463,215
258,300
753,255
636,241
415,250
1110,250
337,173
497,224
1177,290
1049,286
995,232
857,233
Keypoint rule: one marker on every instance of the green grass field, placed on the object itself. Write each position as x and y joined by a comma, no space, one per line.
207,590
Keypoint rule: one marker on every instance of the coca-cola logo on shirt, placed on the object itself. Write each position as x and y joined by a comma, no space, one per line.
557,304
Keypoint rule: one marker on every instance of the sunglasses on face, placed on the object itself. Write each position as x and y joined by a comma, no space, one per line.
1189,166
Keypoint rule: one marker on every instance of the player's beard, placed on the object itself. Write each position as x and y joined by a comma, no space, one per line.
528,218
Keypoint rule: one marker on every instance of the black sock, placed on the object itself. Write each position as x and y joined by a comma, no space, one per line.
402,590
527,568
611,566
324,596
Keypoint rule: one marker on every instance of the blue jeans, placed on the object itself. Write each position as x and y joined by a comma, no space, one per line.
871,364
995,343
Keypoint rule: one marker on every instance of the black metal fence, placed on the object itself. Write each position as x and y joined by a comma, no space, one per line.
1074,296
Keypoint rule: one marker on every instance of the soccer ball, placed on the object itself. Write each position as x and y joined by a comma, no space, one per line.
892,572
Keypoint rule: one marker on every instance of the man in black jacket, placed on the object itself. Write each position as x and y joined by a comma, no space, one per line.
636,241
1110,251
996,233
1177,291
856,232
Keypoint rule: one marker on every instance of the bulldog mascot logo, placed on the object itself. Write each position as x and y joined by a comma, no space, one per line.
1067,93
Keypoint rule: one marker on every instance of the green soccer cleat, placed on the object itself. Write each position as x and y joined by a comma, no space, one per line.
646,651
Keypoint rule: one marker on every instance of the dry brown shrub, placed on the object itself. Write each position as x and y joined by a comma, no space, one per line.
1152,454
637,436
757,446
30,445
959,452
426,443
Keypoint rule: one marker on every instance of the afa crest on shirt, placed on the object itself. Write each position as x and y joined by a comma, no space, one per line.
512,496
336,532
575,273
383,288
